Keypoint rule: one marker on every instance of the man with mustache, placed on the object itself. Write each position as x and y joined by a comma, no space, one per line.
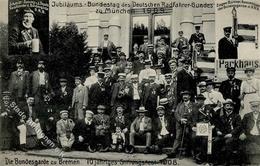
20,38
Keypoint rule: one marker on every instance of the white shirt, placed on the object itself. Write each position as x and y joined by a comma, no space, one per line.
145,73
90,81
213,97
255,130
105,43
41,78
164,131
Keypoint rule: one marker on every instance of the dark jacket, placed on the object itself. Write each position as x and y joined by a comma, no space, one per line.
226,49
169,124
83,129
248,123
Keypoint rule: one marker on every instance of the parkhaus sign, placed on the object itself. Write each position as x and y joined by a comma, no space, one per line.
239,64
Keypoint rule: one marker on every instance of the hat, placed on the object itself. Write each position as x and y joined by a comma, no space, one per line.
92,68
150,45
101,107
157,66
160,107
180,32
78,78
228,101
168,75
172,61
121,76
209,82
100,63
120,105
163,101
89,112
231,69
63,80
185,92
64,111
101,74
41,62
118,47
108,61
202,83
160,52
250,69
19,61
134,76
254,103
107,69
106,34
197,27
227,29
147,62
200,97
28,10
141,110
145,37
6,93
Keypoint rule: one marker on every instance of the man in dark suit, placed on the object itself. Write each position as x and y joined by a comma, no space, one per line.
40,83
84,132
186,81
19,83
144,47
98,93
197,38
63,95
228,132
20,38
226,47
184,123
164,130
107,47
230,88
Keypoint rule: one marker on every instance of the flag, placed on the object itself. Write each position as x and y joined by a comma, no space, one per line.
247,33
206,64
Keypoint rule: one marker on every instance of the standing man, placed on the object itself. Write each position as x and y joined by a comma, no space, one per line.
92,79
144,46
148,71
230,88
226,47
107,47
79,99
180,42
197,37
19,83
40,83
63,95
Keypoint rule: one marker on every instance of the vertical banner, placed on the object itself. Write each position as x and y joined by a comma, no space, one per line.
28,25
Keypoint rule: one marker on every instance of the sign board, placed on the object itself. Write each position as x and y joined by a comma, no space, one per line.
202,129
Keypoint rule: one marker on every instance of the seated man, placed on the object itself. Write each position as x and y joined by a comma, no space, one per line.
84,132
64,131
141,127
228,131
164,130
120,125
13,121
251,129
102,125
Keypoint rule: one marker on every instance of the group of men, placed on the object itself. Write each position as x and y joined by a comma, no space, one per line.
157,99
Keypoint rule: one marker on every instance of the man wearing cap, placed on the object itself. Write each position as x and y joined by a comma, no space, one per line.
102,124
202,88
251,128
144,47
107,47
145,73
228,131
213,97
186,81
40,83
92,79
121,92
84,132
79,99
183,115
141,127
63,95
250,90
64,130
197,37
226,46
98,93
164,129
138,64
180,42
19,83
13,122
230,88
21,36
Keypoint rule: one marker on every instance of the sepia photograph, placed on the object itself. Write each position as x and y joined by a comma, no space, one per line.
124,82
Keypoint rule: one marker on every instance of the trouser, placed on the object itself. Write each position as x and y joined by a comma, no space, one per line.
104,140
147,136
163,142
199,146
22,133
88,140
